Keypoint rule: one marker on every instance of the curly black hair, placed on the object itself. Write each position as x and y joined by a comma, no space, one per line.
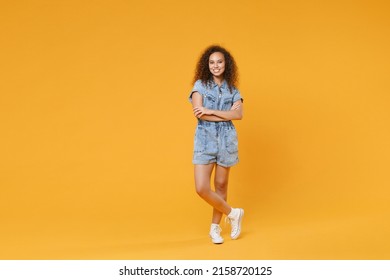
203,73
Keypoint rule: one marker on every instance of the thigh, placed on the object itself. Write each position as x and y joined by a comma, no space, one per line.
221,178
202,174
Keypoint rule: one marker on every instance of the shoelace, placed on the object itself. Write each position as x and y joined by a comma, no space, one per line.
229,221
217,230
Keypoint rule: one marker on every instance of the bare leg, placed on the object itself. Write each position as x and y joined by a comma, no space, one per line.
221,179
202,184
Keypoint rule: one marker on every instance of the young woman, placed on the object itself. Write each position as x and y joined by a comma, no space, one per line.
216,102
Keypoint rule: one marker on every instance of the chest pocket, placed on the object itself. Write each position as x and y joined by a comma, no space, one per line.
227,102
209,101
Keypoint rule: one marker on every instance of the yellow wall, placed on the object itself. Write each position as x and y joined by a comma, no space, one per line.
96,130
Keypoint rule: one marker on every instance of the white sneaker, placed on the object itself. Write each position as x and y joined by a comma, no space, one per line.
235,219
215,234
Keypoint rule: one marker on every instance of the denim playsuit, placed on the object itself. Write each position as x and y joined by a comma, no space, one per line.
215,142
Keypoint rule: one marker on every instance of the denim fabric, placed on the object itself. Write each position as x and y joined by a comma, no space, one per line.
215,142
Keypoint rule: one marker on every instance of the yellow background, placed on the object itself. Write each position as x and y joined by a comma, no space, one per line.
97,133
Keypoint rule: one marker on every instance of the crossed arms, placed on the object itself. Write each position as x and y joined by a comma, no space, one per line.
235,112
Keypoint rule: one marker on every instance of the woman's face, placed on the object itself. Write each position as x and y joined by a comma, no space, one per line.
217,64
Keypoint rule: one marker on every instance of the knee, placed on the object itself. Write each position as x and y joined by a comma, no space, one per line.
221,186
202,191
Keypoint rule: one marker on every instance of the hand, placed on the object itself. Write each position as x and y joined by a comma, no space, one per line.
200,111
235,106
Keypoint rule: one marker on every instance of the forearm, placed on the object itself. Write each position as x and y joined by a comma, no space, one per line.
211,118
227,115
200,112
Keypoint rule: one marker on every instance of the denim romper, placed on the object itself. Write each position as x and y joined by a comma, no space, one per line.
215,142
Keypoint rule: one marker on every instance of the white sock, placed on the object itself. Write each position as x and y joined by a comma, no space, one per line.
232,213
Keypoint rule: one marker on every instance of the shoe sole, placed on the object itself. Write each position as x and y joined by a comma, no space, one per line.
239,224
216,242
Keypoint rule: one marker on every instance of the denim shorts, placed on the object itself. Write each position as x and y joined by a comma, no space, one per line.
215,142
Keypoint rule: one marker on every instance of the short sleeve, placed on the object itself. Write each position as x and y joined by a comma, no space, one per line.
237,96
197,87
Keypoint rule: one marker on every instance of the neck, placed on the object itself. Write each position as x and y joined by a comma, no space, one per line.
218,80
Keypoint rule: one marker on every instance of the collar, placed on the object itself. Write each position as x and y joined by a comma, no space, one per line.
223,85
